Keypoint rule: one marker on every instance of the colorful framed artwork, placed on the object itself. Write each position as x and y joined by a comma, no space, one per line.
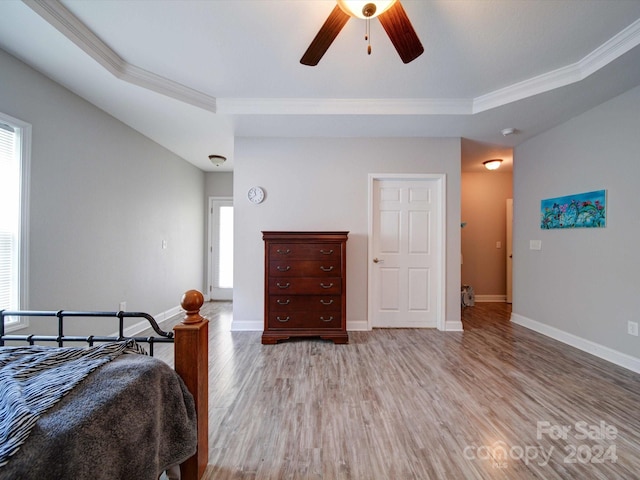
581,210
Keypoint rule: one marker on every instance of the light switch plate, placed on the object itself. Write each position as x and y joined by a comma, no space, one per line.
535,244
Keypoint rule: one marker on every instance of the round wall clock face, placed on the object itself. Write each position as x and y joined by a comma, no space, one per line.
256,194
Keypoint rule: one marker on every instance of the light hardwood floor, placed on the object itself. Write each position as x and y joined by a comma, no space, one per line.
497,401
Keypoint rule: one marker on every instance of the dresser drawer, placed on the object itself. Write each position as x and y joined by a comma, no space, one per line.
305,251
305,303
304,320
305,268
305,286
305,280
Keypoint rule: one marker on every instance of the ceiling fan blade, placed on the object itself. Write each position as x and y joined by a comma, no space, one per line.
397,25
325,37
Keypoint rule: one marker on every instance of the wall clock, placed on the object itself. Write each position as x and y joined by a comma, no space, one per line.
256,194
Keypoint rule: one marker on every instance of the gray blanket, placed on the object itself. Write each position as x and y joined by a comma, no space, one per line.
34,378
131,418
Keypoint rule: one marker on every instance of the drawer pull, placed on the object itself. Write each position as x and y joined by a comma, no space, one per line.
324,302
286,285
326,252
327,319
326,286
326,269
283,320
280,268
283,252
283,302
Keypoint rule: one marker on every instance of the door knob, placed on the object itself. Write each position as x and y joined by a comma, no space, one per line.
377,260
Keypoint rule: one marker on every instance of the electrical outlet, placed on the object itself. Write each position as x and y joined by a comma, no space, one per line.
632,328
123,306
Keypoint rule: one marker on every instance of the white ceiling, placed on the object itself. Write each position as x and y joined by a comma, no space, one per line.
193,75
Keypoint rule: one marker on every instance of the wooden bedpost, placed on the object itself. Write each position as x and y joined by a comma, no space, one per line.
191,362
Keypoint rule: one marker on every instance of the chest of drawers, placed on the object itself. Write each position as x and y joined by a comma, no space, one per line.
305,286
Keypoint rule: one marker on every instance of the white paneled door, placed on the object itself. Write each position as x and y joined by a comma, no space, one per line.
405,252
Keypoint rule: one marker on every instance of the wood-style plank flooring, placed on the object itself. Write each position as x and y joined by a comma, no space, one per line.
497,401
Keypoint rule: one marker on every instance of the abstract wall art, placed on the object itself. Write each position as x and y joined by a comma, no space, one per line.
580,210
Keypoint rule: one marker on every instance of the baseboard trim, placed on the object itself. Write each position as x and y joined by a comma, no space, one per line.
167,314
453,326
258,326
247,326
358,326
142,325
491,298
606,353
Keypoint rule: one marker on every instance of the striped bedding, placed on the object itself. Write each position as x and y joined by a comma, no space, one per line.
33,379
58,419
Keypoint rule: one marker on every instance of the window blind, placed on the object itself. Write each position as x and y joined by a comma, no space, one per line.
9,216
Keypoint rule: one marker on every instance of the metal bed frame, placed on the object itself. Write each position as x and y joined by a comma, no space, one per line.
60,338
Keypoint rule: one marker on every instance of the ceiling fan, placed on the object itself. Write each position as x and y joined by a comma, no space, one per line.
392,16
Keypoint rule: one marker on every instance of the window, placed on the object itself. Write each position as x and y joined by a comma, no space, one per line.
14,169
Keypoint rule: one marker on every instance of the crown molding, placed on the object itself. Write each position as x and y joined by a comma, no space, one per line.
613,48
344,106
71,27
59,17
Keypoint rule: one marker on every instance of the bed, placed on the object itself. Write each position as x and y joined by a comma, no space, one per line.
94,407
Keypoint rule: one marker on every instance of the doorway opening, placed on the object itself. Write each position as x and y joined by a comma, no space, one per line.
486,213
220,276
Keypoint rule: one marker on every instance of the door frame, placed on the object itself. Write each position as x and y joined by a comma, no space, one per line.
210,256
509,251
441,239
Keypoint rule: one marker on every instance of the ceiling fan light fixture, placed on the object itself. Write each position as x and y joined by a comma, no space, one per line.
393,19
492,164
365,9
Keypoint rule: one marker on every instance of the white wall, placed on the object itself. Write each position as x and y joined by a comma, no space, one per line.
103,198
322,184
218,184
584,285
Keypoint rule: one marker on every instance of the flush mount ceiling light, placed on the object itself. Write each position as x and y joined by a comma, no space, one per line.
366,9
492,164
217,160
508,131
